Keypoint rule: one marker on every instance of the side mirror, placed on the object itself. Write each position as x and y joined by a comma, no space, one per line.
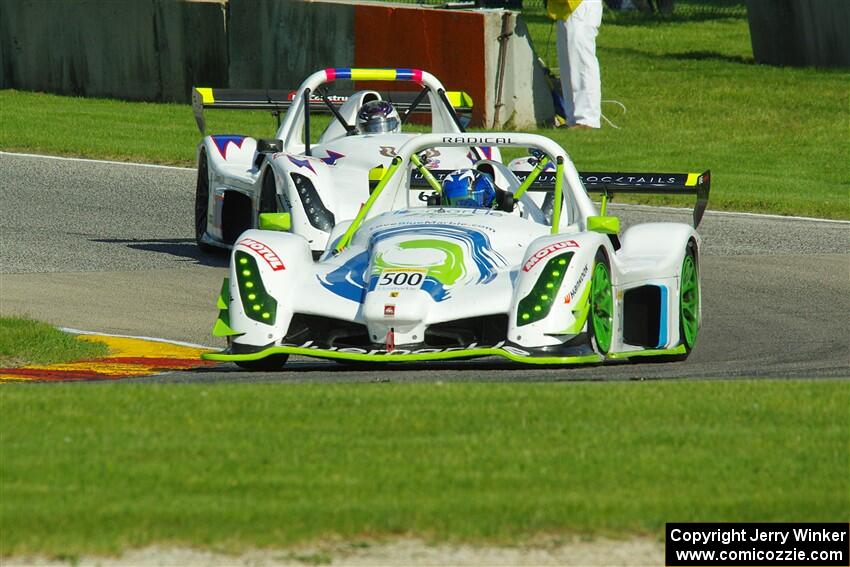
275,221
268,145
604,225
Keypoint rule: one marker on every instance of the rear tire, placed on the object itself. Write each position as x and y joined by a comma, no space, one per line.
269,363
202,199
600,326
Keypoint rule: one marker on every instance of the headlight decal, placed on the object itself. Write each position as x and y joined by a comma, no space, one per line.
258,304
537,304
317,214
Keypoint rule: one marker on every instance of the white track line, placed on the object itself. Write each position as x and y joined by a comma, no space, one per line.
104,161
152,339
727,213
649,207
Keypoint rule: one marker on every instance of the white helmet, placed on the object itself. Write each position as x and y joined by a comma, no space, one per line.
378,117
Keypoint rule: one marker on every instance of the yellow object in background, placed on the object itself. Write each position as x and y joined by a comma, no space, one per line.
561,9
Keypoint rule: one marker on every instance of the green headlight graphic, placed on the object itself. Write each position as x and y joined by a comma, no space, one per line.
537,304
258,305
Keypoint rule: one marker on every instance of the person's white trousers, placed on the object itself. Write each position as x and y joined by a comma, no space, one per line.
580,79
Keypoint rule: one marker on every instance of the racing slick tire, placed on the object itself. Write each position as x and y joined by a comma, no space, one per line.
273,362
600,325
202,199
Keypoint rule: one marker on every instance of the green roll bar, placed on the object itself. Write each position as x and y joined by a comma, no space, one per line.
559,194
432,181
361,214
535,173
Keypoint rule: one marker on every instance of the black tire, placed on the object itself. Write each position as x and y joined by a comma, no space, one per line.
202,198
601,305
269,363
268,195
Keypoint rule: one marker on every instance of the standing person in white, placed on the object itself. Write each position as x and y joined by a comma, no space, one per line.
578,23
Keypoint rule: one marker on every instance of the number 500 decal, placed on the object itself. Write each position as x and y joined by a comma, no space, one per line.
398,279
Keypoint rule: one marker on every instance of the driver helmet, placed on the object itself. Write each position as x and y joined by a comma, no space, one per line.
378,117
468,188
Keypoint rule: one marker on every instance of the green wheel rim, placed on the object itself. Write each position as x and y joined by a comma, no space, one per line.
602,306
689,301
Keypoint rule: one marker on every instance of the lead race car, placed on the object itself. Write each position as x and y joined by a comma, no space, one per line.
316,181
414,280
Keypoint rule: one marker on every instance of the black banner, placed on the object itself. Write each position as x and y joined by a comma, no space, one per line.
817,545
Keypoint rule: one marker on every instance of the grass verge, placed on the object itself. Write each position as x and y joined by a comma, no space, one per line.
265,465
24,341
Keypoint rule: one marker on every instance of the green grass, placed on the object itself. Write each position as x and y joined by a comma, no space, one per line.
774,138
234,466
24,341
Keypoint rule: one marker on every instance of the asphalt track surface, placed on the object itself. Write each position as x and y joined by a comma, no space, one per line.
109,247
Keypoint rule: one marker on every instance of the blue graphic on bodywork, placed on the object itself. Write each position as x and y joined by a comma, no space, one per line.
349,280
477,243
302,163
332,157
222,140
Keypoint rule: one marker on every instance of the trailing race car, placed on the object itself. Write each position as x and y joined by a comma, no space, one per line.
317,181
477,268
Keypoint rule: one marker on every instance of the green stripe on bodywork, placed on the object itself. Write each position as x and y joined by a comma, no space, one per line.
649,352
447,273
389,358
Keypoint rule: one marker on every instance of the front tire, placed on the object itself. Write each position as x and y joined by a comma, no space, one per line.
202,199
267,364
601,323
689,302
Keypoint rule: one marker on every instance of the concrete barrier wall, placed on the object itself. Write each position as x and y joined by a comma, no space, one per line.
800,32
526,98
159,49
128,49
277,43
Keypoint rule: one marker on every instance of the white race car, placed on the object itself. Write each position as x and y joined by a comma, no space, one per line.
413,280
317,181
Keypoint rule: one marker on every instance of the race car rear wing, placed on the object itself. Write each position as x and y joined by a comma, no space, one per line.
609,184
278,101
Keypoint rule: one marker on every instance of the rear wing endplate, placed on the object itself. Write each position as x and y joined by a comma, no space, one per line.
609,184
278,101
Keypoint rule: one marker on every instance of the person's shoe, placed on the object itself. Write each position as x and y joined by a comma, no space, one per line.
575,127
